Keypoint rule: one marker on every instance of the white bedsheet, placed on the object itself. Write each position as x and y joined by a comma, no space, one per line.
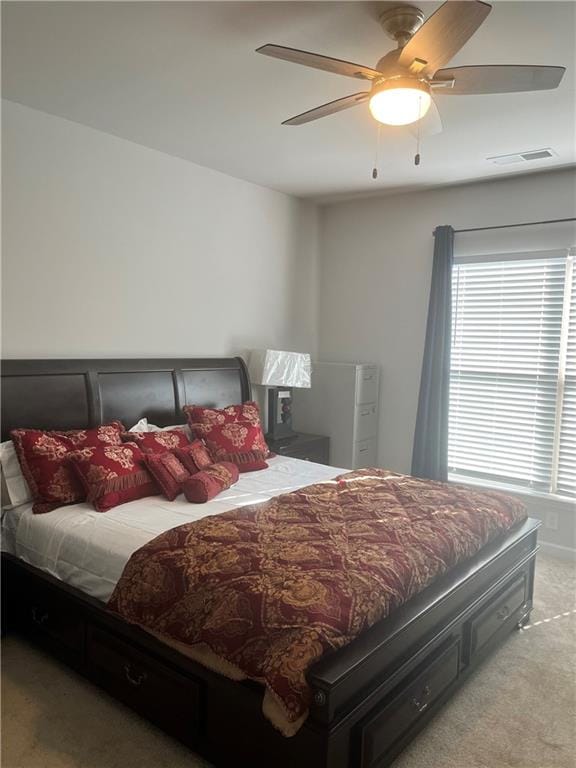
89,549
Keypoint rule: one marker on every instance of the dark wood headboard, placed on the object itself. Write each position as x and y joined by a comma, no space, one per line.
75,394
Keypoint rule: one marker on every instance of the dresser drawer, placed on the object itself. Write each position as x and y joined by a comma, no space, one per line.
366,422
402,711
367,384
365,453
147,685
503,610
50,618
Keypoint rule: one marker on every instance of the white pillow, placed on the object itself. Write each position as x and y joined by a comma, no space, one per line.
141,426
17,488
184,427
144,426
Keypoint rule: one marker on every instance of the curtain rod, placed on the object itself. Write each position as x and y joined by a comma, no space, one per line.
511,226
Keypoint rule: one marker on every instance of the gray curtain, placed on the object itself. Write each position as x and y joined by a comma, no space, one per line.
430,453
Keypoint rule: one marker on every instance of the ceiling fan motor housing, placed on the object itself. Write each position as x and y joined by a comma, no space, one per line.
402,22
389,65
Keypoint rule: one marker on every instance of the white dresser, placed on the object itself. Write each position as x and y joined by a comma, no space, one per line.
342,404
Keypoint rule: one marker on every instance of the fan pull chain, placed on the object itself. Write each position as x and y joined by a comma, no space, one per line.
417,155
376,159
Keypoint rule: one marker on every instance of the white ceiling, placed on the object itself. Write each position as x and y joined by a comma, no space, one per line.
183,78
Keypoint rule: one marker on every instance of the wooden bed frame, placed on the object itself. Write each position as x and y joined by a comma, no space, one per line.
369,699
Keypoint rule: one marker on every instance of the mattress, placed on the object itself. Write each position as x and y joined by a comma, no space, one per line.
88,549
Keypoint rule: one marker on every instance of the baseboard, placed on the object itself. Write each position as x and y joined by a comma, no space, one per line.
557,550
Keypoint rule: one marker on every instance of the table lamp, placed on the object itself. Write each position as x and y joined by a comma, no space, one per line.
279,371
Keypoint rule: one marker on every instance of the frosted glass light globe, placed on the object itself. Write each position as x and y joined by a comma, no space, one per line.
399,106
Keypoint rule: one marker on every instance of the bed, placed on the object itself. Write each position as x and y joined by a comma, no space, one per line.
370,698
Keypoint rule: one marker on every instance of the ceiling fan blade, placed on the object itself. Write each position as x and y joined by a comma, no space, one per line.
329,109
441,37
328,64
430,125
495,78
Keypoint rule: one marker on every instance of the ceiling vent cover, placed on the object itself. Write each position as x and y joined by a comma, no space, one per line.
523,157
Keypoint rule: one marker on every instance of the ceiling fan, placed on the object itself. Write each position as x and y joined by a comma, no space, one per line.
403,80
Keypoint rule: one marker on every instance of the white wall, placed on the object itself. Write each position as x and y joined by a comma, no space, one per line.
376,259
112,249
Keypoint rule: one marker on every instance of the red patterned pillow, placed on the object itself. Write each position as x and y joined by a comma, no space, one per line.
250,461
168,472
204,485
248,411
113,474
194,456
157,442
232,437
43,457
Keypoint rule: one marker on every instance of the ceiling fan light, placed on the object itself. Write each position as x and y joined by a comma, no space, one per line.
399,103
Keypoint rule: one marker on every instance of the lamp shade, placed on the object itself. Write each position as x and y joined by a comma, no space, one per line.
274,368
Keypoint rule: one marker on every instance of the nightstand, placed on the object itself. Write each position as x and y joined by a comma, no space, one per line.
301,446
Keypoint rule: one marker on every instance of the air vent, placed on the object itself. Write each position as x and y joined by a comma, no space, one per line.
523,157
537,154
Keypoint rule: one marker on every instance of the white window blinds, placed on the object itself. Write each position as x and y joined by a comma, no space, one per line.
566,470
509,332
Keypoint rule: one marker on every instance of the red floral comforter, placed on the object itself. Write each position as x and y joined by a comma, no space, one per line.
262,592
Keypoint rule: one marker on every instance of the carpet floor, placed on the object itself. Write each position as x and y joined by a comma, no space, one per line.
517,711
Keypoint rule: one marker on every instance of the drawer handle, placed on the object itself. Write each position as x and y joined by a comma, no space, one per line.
422,703
368,378
362,450
503,613
135,679
364,413
39,617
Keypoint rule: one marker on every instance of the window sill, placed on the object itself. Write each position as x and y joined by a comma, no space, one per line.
515,489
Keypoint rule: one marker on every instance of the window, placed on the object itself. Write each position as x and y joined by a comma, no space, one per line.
513,370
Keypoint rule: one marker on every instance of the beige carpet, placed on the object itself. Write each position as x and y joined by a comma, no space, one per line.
517,711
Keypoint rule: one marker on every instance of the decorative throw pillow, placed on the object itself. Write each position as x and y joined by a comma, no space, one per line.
248,411
194,456
207,484
43,457
168,472
231,437
157,442
250,461
113,474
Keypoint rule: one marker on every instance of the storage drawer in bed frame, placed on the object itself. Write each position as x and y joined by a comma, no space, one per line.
496,614
401,711
369,699
143,682
48,616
